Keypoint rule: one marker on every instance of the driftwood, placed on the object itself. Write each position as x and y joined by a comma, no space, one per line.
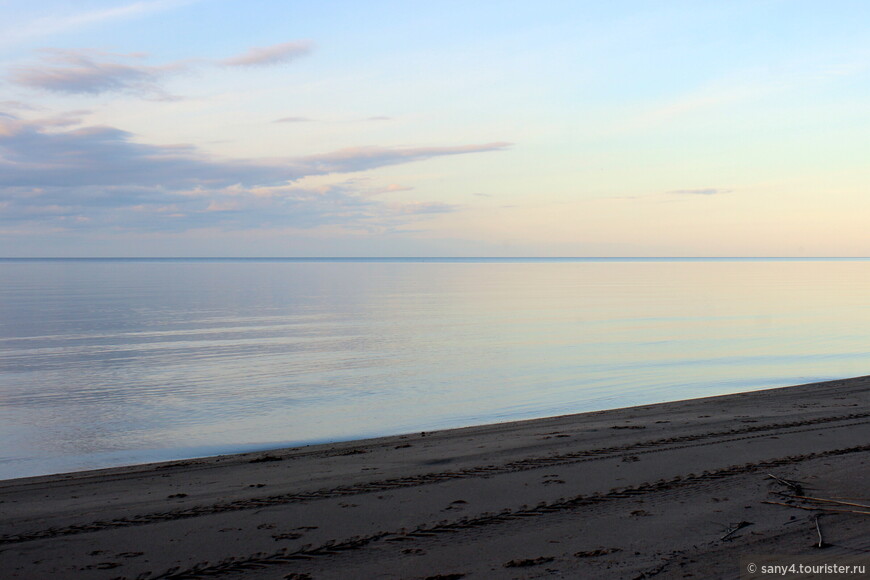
816,508
821,499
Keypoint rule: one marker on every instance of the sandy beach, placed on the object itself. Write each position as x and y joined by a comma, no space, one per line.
674,490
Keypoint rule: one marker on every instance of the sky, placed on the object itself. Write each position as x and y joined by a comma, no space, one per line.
450,128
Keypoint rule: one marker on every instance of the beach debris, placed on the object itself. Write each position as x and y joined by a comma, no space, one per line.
629,427
826,500
265,458
734,528
524,563
456,576
821,543
816,508
596,553
810,503
176,495
793,485
352,452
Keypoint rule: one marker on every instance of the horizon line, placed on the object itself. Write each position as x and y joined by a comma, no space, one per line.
434,257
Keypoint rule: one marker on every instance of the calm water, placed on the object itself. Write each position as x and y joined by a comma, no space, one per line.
109,362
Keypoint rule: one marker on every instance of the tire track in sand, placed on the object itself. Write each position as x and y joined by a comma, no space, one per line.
258,561
604,453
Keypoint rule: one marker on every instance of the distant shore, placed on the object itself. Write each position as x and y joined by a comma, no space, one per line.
673,489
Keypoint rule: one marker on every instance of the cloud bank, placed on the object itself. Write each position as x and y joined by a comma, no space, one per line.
57,173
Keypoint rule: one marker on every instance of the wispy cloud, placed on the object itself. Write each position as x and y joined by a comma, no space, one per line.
270,55
701,191
59,23
394,187
740,88
376,118
97,177
18,106
360,158
421,207
293,120
93,72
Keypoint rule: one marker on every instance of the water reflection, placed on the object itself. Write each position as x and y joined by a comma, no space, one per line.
102,362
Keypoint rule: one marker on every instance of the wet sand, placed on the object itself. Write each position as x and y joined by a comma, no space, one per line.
673,490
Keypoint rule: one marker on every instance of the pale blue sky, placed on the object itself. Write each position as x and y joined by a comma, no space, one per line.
208,128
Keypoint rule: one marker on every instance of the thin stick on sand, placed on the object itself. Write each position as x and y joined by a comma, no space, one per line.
817,508
737,526
821,499
819,530
790,484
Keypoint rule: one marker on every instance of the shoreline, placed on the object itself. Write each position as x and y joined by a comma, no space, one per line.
617,493
255,449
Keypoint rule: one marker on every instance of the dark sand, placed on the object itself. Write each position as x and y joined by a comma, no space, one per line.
675,490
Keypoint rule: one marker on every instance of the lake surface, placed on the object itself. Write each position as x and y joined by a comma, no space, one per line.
112,362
